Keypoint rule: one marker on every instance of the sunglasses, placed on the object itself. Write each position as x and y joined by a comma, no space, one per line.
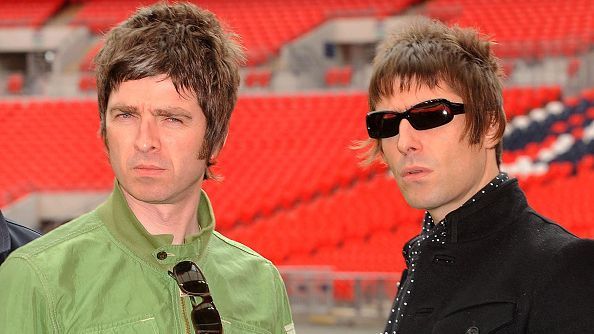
422,116
191,281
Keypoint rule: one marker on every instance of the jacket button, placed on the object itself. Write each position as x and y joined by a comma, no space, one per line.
472,330
162,255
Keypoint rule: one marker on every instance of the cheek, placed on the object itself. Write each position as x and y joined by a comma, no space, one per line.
389,151
185,150
115,147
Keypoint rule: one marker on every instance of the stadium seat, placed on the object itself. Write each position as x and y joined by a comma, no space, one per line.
15,83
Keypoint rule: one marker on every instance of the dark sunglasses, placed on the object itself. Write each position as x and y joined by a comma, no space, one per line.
422,116
191,281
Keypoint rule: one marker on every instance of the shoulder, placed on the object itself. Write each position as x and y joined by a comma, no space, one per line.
228,245
20,234
60,240
569,269
563,298
577,257
223,246
553,251
544,234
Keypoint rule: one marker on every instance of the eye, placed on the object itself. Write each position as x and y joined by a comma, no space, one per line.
173,120
124,115
389,116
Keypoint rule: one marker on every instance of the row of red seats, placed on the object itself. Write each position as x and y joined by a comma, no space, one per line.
33,13
286,149
286,159
520,100
281,150
52,146
264,26
565,199
339,76
258,78
530,28
341,218
253,78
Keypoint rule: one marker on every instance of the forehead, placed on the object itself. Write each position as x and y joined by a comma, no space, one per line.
152,91
406,98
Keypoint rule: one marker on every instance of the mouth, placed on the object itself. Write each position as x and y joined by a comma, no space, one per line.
148,170
414,173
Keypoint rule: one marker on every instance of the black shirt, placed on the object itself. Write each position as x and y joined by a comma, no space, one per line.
431,232
12,236
498,267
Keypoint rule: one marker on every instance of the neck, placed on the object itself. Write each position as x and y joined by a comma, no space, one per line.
178,219
491,171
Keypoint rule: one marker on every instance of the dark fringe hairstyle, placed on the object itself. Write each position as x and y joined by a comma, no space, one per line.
425,52
189,46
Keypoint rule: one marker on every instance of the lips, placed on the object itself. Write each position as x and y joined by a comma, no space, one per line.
148,169
414,172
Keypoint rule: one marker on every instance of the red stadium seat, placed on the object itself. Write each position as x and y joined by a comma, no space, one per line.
15,83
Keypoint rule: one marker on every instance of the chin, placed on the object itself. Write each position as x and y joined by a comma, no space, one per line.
417,202
147,193
148,197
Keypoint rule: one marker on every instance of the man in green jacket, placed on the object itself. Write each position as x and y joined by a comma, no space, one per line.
148,259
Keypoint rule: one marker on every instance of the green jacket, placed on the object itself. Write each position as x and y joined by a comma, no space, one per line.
100,274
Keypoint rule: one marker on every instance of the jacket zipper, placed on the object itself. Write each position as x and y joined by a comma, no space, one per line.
185,315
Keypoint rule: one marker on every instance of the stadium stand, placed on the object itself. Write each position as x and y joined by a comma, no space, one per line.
62,136
264,25
32,13
284,153
524,28
292,188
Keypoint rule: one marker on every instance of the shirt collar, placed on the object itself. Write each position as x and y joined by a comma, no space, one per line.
498,209
156,250
429,224
4,235
447,230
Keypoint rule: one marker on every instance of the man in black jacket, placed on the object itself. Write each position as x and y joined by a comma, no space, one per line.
484,261
13,236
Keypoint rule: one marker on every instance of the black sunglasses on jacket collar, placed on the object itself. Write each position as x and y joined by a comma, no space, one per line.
191,281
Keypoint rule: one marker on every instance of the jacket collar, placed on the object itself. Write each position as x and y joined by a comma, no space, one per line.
127,230
493,212
4,235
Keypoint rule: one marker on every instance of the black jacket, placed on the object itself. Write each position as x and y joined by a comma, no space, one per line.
503,269
12,236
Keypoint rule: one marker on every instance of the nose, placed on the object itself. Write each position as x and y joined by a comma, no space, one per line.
408,140
147,137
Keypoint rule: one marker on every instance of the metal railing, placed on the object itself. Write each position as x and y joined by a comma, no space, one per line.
344,296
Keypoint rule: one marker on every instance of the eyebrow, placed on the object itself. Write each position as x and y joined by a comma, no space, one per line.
163,111
123,108
173,111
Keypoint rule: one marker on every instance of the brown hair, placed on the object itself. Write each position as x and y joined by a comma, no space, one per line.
189,46
426,52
